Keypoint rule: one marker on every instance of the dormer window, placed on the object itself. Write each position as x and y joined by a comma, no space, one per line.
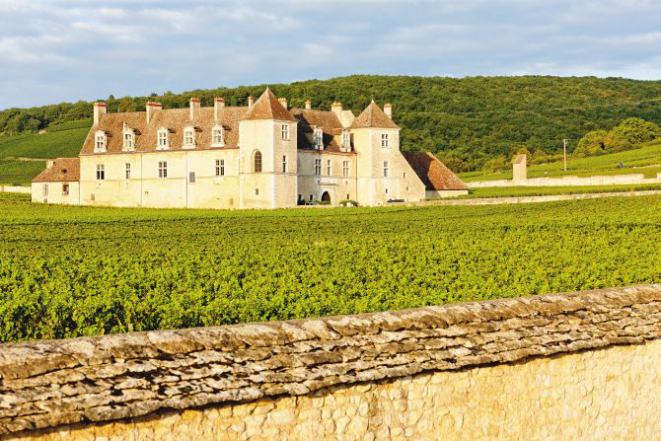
189,137
346,141
318,138
163,139
129,138
217,136
100,142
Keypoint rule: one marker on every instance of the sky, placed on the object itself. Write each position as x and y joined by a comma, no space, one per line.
53,51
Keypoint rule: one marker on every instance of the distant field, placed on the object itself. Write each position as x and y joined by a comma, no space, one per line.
13,172
64,140
646,160
71,271
503,192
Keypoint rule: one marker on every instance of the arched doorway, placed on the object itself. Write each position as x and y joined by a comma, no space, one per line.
325,197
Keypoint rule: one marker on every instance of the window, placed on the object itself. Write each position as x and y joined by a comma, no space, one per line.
191,177
257,192
385,169
65,189
329,167
189,137
220,167
345,168
311,198
284,163
346,141
217,136
285,132
44,190
257,162
127,170
100,142
385,140
162,169
100,172
317,167
163,139
129,138
318,138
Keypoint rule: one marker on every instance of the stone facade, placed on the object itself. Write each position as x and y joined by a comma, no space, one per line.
51,384
205,157
590,395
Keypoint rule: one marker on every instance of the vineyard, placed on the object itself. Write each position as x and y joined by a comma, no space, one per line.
645,160
72,271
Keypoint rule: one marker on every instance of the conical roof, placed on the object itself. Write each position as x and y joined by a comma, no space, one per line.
268,107
373,116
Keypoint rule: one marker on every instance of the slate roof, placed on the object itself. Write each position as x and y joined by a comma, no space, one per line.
373,117
62,170
433,173
268,107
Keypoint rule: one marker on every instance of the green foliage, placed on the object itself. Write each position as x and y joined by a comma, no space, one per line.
497,164
630,133
645,160
593,143
61,142
71,271
13,172
473,119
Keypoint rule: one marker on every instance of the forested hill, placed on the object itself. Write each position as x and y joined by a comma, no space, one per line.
471,118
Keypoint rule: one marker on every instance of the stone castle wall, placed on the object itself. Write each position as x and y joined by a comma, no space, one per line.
564,366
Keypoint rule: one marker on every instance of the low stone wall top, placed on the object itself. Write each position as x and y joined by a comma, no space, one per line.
562,181
51,383
14,189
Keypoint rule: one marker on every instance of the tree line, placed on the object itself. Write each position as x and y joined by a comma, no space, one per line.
467,121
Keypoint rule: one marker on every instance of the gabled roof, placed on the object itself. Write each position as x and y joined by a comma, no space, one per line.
433,173
62,170
374,117
175,120
268,107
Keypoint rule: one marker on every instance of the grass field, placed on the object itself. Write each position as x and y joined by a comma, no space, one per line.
504,192
60,141
646,160
71,271
13,172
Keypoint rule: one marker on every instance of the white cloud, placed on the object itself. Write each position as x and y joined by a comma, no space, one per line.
64,50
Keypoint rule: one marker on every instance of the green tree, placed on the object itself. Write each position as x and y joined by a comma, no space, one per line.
593,143
629,133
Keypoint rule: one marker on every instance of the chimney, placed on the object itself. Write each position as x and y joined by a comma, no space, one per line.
387,109
151,110
283,101
336,108
251,101
194,107
308,104
99,109
218,104
50,163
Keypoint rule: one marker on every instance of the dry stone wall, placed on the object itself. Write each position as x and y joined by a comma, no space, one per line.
354,377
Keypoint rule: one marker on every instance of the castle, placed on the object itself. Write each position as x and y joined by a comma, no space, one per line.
265,155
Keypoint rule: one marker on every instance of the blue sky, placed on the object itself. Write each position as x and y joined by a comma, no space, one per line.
53,51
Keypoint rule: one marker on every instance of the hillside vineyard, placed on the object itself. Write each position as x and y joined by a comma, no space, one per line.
73,271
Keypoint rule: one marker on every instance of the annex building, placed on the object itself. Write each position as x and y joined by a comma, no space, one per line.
263,155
